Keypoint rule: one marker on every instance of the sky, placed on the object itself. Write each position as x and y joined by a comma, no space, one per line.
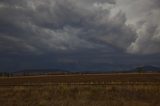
79,34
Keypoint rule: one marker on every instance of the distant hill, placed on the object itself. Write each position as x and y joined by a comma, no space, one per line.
145,69
40,71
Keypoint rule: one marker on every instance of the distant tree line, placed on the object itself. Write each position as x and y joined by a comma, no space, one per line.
5,74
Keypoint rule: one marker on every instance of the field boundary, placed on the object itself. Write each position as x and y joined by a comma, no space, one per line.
83,84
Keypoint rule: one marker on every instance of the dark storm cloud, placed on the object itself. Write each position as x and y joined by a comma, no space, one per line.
51,25
87,34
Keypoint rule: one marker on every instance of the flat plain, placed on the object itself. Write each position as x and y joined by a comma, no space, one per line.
119,89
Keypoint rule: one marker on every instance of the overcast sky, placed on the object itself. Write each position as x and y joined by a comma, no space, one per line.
79,34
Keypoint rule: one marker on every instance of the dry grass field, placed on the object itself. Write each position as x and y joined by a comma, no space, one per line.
81,90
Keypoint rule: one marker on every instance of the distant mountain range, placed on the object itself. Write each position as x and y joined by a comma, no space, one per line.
143,69
56,71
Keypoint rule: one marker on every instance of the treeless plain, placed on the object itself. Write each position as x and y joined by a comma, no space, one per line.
81,90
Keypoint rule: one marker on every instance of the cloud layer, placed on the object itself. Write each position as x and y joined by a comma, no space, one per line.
38,26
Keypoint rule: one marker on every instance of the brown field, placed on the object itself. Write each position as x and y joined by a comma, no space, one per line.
85,78
81,90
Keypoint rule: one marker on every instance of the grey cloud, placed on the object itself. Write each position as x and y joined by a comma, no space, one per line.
148,41
65,25
62,25
146,22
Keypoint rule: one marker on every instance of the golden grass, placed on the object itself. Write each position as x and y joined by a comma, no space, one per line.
81,90
81,95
